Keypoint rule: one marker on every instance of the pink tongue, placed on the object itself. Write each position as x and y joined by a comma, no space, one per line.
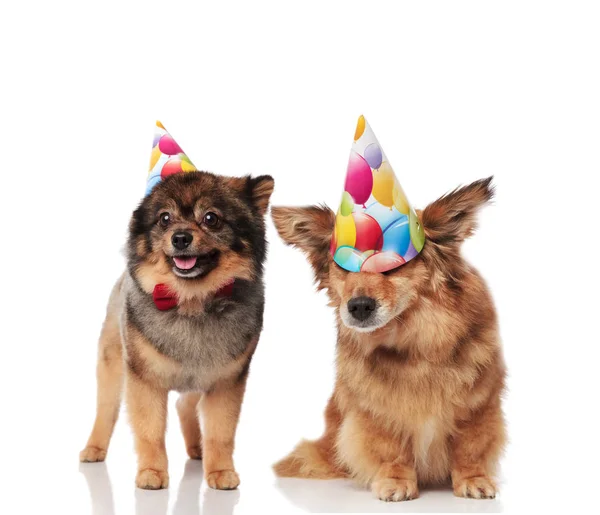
185,263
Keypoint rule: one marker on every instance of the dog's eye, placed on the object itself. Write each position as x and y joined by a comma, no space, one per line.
164,219
211,219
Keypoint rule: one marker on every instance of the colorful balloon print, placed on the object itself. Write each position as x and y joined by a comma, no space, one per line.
383,184
400,201
183,157
382,262
360,127
359,178
166,158
154,156
373,155
347,204
411,252
397,237
345,230
367,253
376,229
349,258
417,233
368,232
168,145
152,181
171,167
384,215
186,166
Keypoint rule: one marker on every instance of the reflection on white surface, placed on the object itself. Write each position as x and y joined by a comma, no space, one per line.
156,502
220,502
96,476
344,496
192,497
188,494
151,502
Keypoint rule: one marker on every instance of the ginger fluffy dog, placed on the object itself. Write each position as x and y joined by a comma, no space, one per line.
417,398
201,237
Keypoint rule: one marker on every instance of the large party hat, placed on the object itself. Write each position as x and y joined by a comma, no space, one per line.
166,158
376,229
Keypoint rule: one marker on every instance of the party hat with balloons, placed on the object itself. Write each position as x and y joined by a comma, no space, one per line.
166,158
376,229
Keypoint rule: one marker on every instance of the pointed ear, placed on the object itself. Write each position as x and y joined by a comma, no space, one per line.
453,217
259,190
310,229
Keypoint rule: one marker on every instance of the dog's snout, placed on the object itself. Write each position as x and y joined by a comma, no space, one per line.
361,308
181,240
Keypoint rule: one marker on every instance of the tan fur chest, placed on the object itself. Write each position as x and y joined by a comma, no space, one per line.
412,400
411,390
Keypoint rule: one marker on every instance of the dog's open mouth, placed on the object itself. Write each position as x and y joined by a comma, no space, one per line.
199,265
185,263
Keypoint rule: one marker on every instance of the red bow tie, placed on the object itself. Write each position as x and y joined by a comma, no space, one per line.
164,299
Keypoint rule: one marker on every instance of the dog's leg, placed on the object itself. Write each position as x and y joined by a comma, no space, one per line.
220,410
109,374
380,459
315,459
187,408
147,407
475,451
396,481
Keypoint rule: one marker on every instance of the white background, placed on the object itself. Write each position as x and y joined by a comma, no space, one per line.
455,91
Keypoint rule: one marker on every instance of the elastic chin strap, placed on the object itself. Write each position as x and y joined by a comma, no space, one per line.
164,299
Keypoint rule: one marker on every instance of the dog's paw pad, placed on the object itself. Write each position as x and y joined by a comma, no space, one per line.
92,455
478,487
223,479
391,489
150,479
195,452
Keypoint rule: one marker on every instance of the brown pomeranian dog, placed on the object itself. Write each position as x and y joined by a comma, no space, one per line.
420,374
186,315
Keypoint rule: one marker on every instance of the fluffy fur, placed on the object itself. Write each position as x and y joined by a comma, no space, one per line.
417,399
201,348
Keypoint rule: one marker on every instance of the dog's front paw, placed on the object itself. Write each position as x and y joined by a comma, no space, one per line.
223,479
478,487
195,452
391,489
150,479
92,454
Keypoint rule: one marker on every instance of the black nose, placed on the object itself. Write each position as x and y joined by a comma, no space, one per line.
181,240
361,308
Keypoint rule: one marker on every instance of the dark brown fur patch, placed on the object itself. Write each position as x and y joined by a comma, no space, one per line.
260,190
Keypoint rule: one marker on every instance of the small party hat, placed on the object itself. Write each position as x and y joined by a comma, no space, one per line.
376,229
166,158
